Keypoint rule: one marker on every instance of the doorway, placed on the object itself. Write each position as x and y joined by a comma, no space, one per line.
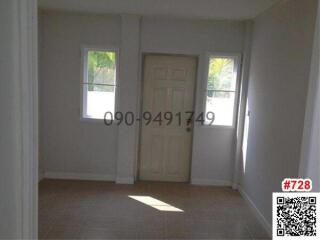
168,104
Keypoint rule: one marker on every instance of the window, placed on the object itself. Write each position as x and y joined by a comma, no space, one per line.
221,89
99,83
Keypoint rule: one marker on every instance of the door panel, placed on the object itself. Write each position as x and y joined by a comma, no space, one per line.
159,99
165,150
157,154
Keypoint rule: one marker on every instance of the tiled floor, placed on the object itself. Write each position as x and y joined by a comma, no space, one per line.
102,210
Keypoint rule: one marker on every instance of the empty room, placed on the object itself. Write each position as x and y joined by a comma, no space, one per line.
160,119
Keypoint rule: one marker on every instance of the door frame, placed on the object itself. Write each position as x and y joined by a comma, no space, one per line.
141,100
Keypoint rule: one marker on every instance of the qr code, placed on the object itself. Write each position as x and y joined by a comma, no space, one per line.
296,215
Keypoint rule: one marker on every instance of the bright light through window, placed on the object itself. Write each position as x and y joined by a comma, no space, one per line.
155,203
99,85
245,138
221,89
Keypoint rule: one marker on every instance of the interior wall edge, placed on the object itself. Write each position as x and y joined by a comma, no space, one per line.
264,222
245,72
310,156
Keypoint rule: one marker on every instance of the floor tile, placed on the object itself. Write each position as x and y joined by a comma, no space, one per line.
103,210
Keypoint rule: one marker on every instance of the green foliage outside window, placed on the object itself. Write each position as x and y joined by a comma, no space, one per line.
101,70
220,76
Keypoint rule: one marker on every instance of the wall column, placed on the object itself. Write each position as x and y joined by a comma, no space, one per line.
19,125
129,82
242,103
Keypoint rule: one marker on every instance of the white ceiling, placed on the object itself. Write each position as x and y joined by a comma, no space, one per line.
204,9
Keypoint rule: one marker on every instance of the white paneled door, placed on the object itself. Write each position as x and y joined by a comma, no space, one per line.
168,94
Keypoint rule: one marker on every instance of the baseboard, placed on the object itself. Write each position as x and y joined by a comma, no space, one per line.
266,225
128,180
40,177
210,182
235,186
79,176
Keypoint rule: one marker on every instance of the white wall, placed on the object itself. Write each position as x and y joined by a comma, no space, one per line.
279,72
67,144
190,36
9,142
71,146
310,152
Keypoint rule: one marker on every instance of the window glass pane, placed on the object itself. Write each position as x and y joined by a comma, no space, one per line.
99,100
222,105
101,67
222,75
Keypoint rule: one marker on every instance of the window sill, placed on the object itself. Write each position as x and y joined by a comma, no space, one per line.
93,120
217,127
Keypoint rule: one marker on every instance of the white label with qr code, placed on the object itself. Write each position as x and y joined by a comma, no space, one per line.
296,215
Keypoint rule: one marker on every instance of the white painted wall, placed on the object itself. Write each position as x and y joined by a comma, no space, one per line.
204,9
10,149
310,152
71,146
67,144
189,36
279,73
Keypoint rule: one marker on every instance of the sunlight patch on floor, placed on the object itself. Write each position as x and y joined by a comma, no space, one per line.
155,203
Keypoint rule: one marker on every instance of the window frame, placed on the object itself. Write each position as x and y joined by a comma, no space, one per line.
237,60
84,78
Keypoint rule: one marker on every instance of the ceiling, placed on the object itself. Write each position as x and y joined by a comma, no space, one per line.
203,9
